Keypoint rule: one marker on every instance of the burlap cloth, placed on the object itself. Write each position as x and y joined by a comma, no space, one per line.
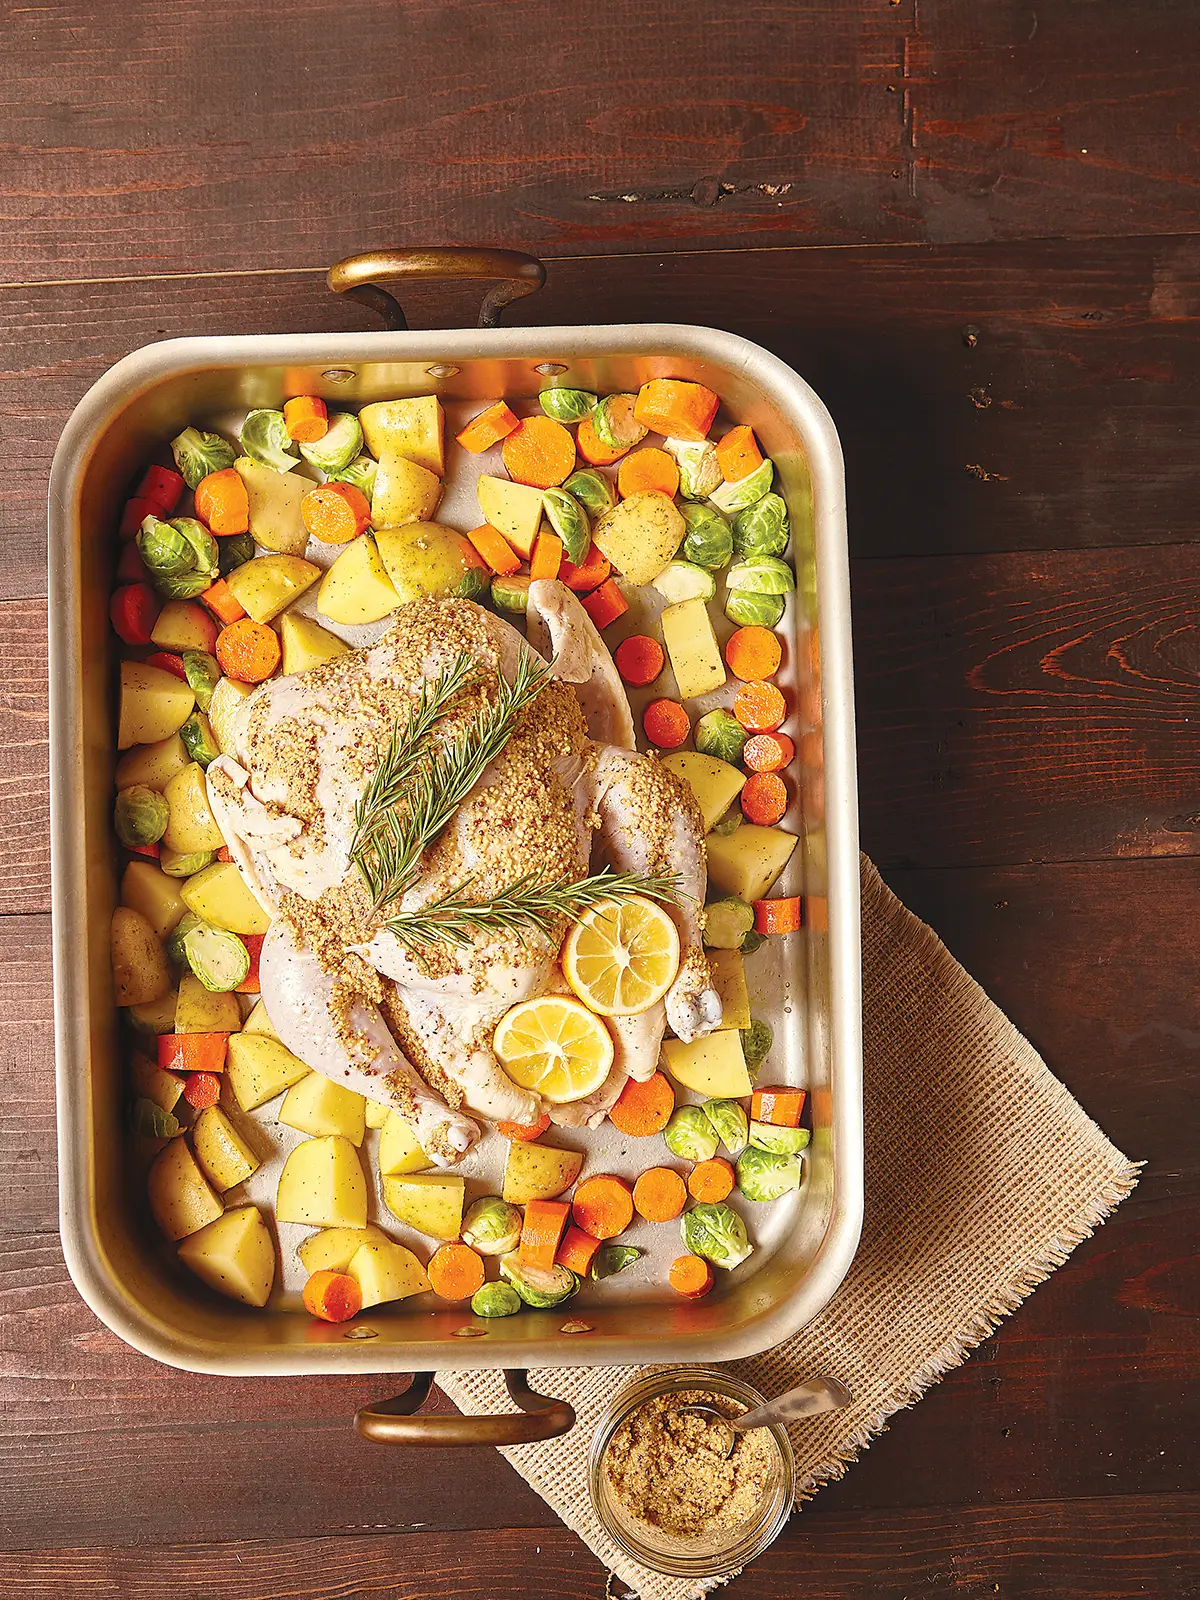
982,1175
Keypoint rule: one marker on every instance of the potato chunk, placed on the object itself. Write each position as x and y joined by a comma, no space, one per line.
180,1198
431,1204
222,1154
234,1255
322,1184
747,862
139,962
318,1105
713,1066
640,534
386,1271
536,1171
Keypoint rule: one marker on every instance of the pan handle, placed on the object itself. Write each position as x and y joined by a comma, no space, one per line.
518,275
394,1422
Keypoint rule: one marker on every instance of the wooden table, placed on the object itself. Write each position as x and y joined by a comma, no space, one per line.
972,225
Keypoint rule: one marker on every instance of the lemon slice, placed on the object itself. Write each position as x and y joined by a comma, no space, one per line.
622,956
554,1046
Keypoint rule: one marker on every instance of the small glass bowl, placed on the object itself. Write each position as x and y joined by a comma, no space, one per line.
710,1555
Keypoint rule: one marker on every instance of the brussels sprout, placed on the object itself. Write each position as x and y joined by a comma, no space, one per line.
762,529
203,675
613,1258
360,472
762,575
496,1300
473,584
729,1122
592,490
751,942
140,815
175,950
570,522
765,1175
492,1226
197,454
511,594
727,923
233,552
756,1043
729,823
265,438
615,423
567,405
720,734
149,1121
183,863
163,548
731,497
219,959
338,446
683,580
198,741
180,556
699,469
760,610
542,1287
782,1141
689,1135
709,538
717,1233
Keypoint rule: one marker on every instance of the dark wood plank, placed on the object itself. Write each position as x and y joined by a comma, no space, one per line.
1103,1549
24,760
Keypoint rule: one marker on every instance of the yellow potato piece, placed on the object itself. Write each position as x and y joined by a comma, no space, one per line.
226,702
385,1270
259,1022
715,784
150,891
259,1067
155,1016
413,428
182,625
221,1153
399,1151
306,643
180,1198
234,1255
275,520
747,862
152,764
377,1114
356,589
713,1066
333,1249
139,962
264,586
322,1185
191,825
318,1105
513,509
692,646
536,1171
640,535
729,980
150,1082
403,491
219,895
154,704
432,1203
199,1010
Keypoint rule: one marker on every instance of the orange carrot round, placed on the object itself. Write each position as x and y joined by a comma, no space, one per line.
539,452
593,448
759,707
690,1276
332,1296
603,1206
752,653
767,752
525,1130
335,513
659,1194
248,651
305,418
711,1180
649,468
784,914
666,724
640,659
764,798
644,1108
201,1089
222,503
455,1271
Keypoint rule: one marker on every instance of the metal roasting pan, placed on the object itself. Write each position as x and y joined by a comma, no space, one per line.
807,986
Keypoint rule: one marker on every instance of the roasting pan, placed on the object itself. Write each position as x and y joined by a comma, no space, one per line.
127,1276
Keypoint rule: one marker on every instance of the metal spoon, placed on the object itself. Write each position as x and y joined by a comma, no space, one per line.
807,1399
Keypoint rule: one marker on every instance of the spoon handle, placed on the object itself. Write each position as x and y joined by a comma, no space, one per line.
806,1400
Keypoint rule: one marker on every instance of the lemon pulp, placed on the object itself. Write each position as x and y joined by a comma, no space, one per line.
554,1046
622,956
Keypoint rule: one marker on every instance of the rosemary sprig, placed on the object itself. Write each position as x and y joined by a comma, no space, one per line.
530,905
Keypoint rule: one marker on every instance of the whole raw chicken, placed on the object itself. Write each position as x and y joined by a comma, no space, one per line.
414,1029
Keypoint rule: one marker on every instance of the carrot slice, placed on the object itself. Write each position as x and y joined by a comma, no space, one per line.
192,1052
254,942
542,1232
759,707
593,448
133,612
577,1251
592,572
335,513
777,1104
738,454
764,798
525,1130
455,1271
781,915
539,452
752,653
547,556
711,1180
222,503
162,487
649,468
691,1276
218,597
659,1194
640,659
495,550
135,513
605,604
666,724
767,752
166,661
644,1108
603,1206
487,429
201,1089
305,418
332,1296
248,651
675,408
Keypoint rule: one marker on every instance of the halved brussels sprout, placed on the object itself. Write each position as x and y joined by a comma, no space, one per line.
496,1300
265,438
752,941
360,472
567,405
748,609
338,446
613,1258
731,497
163,548
543,1287
709,538
473,585
183,863
219,959
762,529
197,454
783,1141
720,734
140,815
729,1122
492,1226
148,1120
756,1043
203,675
198,741
729,823
570,522
234,552
689,1135
717,1233
511,594
726,924
683,580
615,423
175,950
762,575
593,491
765,1174
699,470
180,556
